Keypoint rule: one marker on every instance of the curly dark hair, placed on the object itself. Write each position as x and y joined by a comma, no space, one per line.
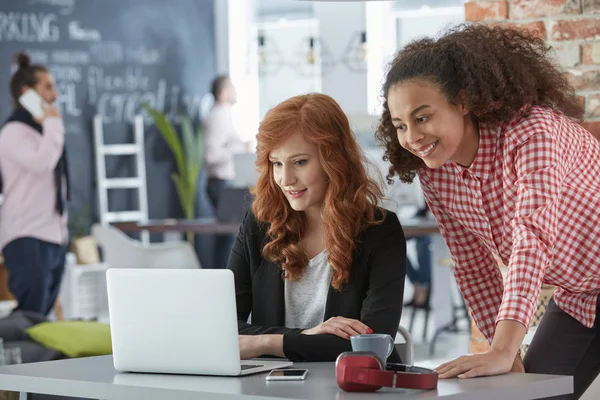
496,69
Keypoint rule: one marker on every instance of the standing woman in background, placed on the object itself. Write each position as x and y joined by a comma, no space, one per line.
222,142
33,172
486,120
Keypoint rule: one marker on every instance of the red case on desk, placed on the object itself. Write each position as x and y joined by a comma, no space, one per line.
358,371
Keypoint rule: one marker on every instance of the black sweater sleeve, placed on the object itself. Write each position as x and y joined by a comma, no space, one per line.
382,305
240,262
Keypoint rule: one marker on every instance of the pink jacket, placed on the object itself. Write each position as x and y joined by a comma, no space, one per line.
27,162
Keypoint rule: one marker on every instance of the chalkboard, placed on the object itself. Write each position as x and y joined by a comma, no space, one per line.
107,57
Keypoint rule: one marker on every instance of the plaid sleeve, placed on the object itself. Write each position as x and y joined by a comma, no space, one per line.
540,174
475,269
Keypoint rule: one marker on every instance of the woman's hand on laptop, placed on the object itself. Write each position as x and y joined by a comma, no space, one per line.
339,326
252,346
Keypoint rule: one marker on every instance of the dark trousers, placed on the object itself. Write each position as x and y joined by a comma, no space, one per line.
562,346
35,269
223,243
421,276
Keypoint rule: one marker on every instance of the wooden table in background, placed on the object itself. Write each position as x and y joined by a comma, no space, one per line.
414,227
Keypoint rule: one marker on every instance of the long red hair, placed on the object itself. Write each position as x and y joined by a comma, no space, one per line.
350,199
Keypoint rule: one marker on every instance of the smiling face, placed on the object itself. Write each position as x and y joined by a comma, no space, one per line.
430,127
298,172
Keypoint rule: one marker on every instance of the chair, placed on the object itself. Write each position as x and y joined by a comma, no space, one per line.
459,312
405,350
84,286
120,251
426,308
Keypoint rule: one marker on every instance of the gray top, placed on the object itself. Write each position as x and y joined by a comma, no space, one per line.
95,377
305,298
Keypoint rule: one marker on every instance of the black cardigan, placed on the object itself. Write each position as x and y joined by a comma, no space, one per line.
373,295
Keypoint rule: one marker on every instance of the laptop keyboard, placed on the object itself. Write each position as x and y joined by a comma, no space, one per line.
248,366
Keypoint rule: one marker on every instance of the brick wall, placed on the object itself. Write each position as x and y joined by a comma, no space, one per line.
571,27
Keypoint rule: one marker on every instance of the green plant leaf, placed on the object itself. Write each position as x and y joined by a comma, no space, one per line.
189,142
169,133
200,146
185,199
188,157
192,184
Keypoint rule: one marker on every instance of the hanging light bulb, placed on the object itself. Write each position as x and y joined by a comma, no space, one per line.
262,52
310,54
363,46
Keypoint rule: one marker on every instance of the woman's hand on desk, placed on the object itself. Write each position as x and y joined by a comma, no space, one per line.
339,326
502,358
491,363
252,346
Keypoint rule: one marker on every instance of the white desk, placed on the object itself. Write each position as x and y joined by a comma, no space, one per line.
95,377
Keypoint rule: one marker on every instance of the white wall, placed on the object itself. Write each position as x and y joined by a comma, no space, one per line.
426,22
381,47
279,82
338,23
235,33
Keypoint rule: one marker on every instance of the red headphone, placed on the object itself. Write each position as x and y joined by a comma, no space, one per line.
363,371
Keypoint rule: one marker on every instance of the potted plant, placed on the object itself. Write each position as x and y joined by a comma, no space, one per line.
189,157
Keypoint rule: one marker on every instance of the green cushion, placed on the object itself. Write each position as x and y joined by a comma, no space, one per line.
73,338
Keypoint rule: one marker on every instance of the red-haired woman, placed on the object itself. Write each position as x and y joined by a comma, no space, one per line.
316,260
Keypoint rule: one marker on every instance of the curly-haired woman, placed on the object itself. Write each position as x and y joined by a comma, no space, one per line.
486,120
316,260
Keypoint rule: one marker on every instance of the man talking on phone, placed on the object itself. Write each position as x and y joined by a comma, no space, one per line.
34,185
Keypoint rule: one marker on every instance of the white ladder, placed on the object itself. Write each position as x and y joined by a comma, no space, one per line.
139,182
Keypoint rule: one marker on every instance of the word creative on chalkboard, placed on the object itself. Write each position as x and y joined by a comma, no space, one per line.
110,56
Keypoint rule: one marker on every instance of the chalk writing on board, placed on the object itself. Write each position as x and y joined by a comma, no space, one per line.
38,56
131,79
117,107
67,99
107,53
70,57
76,32
174,98
28,27
73,129
67,5
66,73
143,55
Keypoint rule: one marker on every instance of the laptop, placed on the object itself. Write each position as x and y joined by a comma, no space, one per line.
177,321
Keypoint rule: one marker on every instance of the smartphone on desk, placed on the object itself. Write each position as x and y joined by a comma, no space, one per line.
287,375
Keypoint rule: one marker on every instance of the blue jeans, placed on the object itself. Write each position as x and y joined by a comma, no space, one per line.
421,276
223,243
35,269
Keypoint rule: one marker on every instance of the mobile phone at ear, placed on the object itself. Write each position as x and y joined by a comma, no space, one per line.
287,375
32,102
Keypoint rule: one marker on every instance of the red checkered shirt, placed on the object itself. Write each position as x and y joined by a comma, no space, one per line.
531,198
